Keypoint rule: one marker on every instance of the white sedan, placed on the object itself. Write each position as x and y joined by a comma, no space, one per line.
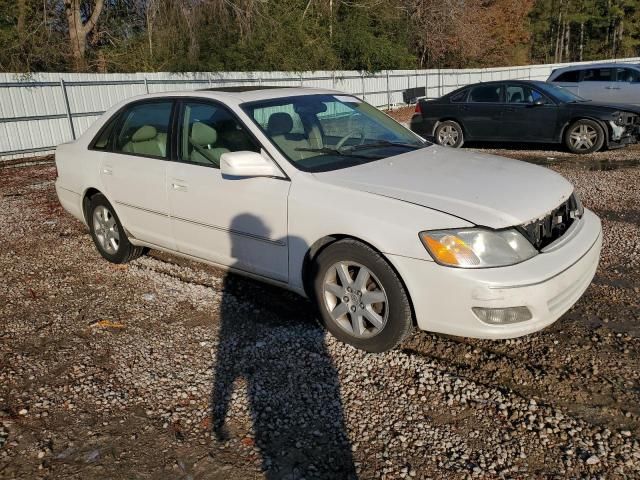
323,194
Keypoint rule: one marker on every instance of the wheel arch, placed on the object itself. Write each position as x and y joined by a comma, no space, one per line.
319,245
88,194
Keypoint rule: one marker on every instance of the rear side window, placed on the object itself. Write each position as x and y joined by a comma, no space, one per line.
598,75
459,97
627,75
144,130
485,94
572,77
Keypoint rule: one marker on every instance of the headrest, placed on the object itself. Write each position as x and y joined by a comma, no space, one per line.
144,133
280,123
203,134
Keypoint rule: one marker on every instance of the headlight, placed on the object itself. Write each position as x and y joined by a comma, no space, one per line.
477,247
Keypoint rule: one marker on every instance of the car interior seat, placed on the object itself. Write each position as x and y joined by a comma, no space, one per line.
203,139
146,140
279,128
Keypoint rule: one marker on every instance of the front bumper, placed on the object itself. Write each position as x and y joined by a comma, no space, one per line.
548,285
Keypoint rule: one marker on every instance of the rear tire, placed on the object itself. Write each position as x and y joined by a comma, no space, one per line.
360,298
449,134
108,235
584,136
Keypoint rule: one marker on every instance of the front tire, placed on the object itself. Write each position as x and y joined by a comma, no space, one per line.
108,235
584,136
360,298
449,134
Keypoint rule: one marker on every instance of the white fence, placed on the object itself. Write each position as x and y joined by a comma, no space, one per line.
42,110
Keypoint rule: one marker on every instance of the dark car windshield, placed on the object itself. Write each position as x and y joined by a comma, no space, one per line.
319,133
561,94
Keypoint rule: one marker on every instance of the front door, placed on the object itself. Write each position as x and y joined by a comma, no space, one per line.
240,223
134,171
524,120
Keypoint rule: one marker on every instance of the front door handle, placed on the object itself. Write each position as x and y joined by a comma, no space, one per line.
179,187
107,171
612,88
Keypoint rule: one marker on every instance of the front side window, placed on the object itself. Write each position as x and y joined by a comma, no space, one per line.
572,76
523,94
627,75
144,130
598,75
319,133
485,94
207,131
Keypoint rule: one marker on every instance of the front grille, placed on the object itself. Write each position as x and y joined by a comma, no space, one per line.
546,230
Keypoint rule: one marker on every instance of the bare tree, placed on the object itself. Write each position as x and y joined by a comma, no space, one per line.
79,30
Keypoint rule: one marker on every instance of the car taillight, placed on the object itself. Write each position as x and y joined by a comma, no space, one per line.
418,108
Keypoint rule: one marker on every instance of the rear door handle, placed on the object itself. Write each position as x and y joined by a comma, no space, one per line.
612,88
179,187
107,171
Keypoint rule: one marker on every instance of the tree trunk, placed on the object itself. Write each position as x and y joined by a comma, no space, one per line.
556,56
22,14
567,38
79,30
581,50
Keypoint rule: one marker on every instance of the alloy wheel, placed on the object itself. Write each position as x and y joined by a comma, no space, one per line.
355,299
448,136
106,229
583,137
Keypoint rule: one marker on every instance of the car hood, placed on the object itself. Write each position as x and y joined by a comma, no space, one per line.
483,189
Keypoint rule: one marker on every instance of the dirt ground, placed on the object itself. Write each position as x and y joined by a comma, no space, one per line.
165,368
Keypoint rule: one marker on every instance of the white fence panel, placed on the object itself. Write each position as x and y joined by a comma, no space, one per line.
40,111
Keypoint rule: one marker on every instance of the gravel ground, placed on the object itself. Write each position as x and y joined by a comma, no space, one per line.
166,368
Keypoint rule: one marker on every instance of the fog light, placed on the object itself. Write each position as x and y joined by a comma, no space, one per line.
503,316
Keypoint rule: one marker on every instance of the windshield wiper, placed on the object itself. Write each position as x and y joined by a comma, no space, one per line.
384,143
332,151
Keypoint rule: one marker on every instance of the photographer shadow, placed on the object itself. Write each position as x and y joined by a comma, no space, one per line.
278,354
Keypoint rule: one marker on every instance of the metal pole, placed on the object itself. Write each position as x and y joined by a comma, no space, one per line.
426,85
146,85
68,108
388,93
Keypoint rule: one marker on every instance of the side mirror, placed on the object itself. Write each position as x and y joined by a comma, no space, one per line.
247,165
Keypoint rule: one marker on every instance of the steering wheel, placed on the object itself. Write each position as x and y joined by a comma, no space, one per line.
349,135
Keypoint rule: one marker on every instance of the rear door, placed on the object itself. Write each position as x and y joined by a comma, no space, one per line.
598,84
523,119
481,114
134,170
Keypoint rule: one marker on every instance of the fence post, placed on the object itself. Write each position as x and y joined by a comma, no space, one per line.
68,108
333,79
388,92
146,85
363,88
301,80
426,84
439,82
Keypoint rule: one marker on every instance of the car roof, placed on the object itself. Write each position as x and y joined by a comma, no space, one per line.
595,65
497,82
242,94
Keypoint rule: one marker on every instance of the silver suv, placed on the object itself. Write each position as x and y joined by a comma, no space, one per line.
609,82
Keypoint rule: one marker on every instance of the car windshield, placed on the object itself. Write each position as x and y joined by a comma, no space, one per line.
562,94
319,133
